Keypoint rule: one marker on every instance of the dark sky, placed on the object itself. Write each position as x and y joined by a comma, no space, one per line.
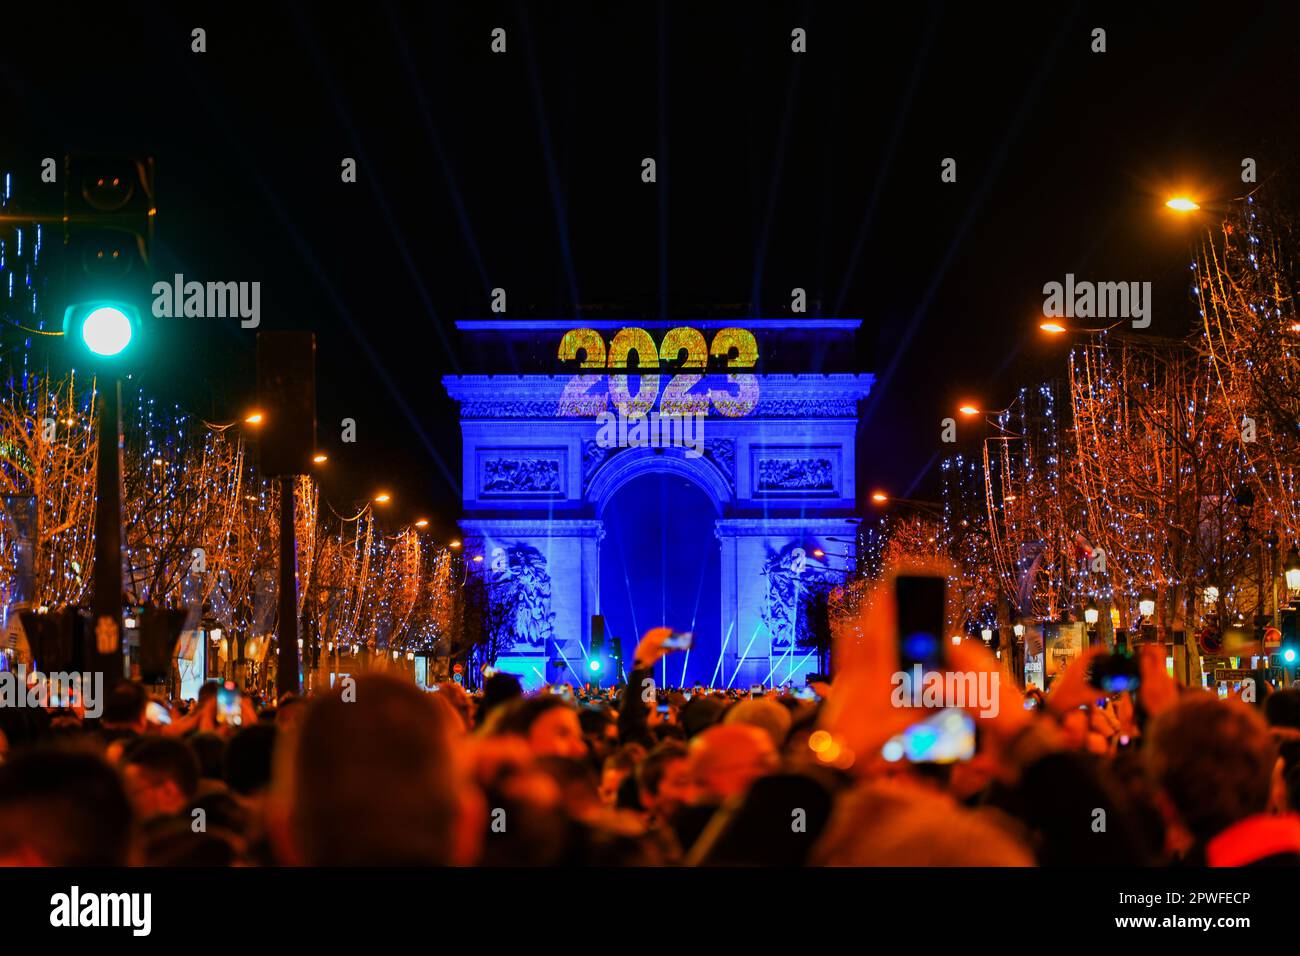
775,170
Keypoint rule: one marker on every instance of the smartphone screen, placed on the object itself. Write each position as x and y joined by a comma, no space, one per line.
157,713
679,641
228,709
946,736
920,604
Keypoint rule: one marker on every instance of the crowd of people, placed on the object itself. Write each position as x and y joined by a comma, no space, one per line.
379,771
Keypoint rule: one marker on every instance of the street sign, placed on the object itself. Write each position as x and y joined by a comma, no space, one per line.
458,668
1231,675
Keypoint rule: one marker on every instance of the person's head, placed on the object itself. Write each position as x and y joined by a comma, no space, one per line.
125,708
727,758
62,808
288,712
162,776
210,749
893,823
455,695
383,737
247,767
699,713
664,779
616,768
1213,763
598,723
548,723
207,691
765,714
499,689
1282,708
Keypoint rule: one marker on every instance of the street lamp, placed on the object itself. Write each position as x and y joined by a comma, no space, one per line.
1292,570
1057,328
1183,204
1091,613
934,507
1147,605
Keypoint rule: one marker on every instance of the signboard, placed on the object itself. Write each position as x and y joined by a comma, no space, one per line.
1064,642
1233,675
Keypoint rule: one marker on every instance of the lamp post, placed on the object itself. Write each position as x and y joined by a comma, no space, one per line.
1292,572
1091,614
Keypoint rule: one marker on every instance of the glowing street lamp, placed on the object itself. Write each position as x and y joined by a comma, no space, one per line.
422,522
968,410
1147,605
383,498
1091,613
320,458
879,497
1182,204
253,418
1293,570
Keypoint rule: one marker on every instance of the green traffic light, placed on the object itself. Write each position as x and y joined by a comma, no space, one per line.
106,330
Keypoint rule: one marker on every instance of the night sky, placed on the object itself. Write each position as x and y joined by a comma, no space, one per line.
776,170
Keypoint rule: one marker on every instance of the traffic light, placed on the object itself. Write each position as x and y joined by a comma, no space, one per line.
105,327
596,653
286,389
1289,649
108,213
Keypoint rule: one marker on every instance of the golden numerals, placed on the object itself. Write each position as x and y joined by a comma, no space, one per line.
733,348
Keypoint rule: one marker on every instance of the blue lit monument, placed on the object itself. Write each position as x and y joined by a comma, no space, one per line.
733,533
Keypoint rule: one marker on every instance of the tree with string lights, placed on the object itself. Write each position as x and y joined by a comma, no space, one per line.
1157,465
1246,284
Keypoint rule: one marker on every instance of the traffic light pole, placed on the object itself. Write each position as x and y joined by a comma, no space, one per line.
106,606
286,674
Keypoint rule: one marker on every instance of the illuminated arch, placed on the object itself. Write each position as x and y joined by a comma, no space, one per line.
631,463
